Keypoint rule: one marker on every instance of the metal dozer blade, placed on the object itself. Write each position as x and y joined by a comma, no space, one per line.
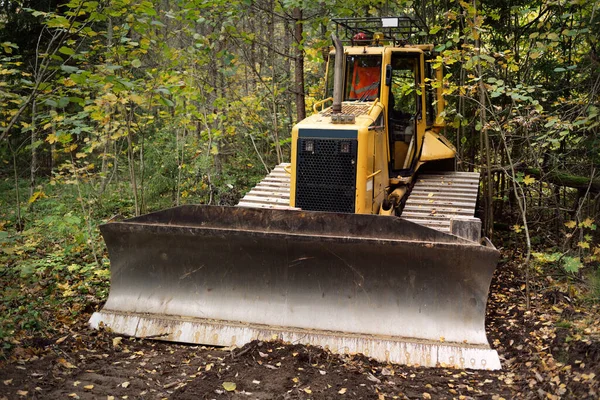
378,285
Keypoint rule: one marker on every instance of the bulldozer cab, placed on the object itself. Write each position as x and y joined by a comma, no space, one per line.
394,77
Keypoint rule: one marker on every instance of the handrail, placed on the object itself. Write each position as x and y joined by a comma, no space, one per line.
373,174
373,105
320,102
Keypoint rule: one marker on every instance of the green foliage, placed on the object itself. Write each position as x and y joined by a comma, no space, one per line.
128,107
49,275
571,265
593,279
581,260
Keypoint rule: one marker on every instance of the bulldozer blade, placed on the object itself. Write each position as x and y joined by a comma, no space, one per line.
378,285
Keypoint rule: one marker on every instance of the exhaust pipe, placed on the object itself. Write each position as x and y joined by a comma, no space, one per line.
338,77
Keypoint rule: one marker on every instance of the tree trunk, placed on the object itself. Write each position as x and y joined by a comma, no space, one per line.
105,150
20,225
131,159
484,141
561,178
34,155
299,67
287,68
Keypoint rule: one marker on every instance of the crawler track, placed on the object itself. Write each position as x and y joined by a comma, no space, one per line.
438,197
435,198
272,192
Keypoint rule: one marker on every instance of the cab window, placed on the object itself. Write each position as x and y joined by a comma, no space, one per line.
363,76
403,91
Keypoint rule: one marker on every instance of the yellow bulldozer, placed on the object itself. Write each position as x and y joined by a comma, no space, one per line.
366,242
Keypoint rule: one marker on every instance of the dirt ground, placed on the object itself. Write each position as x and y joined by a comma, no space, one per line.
548,352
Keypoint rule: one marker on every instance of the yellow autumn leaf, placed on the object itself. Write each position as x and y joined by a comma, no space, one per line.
116,342
68,82
51,138
65,363
342,390
528,180
229,386
62,339
587,223
88,387
136,98
583,245
571,224
307,390
81,155
517,228
110,97
37,195
553,36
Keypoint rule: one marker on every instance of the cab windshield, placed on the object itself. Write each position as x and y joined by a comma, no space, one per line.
362,79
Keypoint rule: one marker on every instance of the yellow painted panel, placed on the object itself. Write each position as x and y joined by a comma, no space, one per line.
294,169
363,169
400,150
381,179
436,147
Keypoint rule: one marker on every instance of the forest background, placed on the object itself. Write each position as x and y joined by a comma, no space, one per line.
110,109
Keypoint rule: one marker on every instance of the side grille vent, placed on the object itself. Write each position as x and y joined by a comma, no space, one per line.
326,174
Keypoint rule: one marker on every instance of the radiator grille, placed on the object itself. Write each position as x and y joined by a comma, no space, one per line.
326,177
